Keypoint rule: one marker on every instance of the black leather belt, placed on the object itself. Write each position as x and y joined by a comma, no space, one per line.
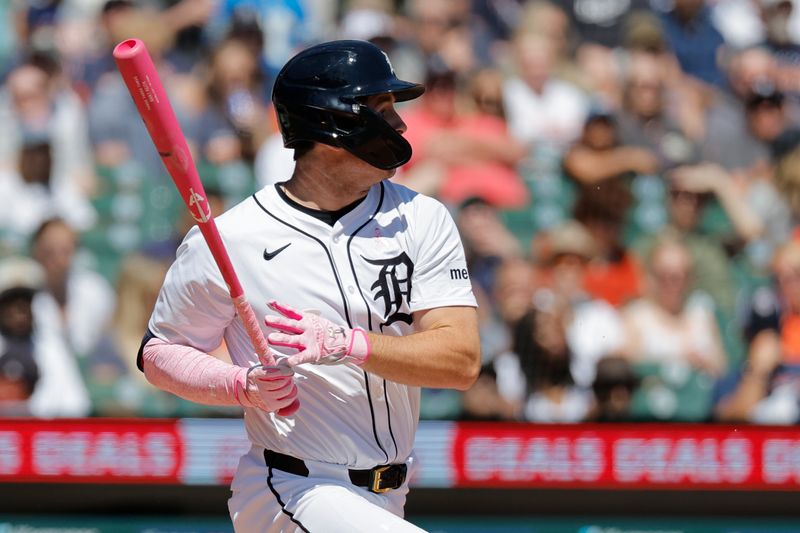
378,479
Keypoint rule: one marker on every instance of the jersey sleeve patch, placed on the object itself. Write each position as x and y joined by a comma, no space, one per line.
456,273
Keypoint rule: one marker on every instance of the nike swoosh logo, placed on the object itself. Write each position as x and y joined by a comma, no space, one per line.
271,255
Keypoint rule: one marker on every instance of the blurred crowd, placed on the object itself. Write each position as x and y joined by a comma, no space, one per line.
625,175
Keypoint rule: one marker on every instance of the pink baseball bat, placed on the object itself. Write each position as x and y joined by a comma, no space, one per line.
144,84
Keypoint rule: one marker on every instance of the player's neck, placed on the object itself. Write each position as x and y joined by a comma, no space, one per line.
322,187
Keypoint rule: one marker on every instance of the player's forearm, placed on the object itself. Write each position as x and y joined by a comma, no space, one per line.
192,374
444,357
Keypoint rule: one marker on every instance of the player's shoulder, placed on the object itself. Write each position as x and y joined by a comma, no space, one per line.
407,200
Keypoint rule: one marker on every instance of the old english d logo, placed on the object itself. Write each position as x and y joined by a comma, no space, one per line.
393,286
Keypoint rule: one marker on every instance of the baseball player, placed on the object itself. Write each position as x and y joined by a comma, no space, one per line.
366,298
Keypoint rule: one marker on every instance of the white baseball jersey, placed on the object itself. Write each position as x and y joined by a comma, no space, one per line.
395,253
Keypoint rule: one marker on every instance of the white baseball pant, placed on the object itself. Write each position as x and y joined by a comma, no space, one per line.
268,500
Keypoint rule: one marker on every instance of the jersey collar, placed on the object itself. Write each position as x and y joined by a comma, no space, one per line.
272,201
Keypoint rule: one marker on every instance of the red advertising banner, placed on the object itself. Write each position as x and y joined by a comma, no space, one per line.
449,454
645,456
90,450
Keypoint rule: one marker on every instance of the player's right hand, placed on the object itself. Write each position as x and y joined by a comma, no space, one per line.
272,389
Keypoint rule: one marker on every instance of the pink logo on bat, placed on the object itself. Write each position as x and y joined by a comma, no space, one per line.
196,203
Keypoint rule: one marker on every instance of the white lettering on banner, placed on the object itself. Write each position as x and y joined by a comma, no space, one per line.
663,460
10,453
781,461
127,454
513,459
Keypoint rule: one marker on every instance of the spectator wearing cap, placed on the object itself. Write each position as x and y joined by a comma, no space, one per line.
742,121
461,151
766,389
593,328
778,39
60,390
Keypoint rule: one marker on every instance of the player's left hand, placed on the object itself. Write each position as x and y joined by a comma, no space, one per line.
318,339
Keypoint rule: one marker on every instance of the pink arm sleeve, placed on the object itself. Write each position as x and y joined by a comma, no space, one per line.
194,375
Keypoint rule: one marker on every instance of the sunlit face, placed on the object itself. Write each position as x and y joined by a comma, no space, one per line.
55,249
684,209
670,277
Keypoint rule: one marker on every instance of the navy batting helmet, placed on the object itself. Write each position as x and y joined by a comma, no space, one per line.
319,96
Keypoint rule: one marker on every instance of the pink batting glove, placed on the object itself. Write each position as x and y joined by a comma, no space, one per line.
269,389
318,340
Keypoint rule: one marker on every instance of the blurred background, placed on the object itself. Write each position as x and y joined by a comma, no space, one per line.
625,175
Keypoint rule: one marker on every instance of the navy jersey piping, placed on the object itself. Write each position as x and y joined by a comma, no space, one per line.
369,323
389,419
346,310
284,510
327,253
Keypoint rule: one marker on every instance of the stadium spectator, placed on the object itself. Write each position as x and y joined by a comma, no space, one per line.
97,61
594,329
694,39
75,300
37,103
36,193
786,157
729,136
598,155
117,386
19,375
613,388
765,390
549,20
711,271
604,25
461,154
285,25
653,114
671,324
444,36
233,121
778,39
484,402
487,243
540,107
543,357
117,132
613,274
59,390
